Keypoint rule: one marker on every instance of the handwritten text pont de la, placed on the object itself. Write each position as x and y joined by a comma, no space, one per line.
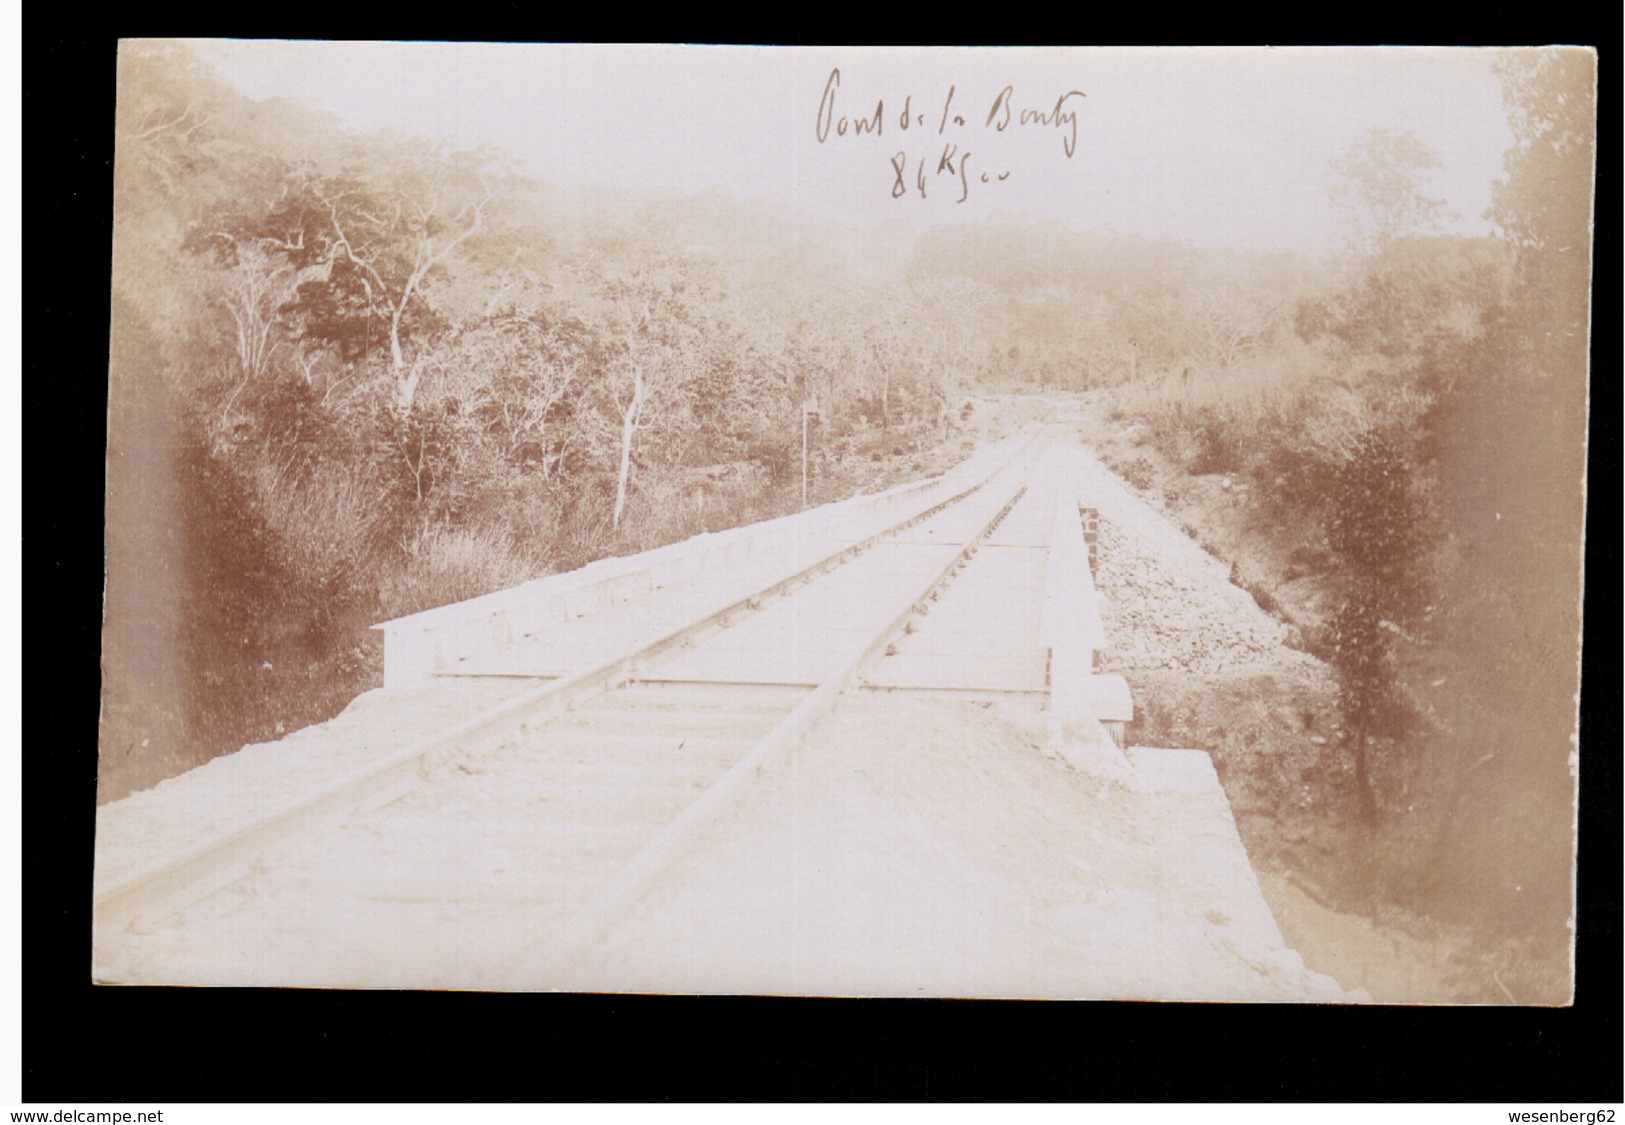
954,159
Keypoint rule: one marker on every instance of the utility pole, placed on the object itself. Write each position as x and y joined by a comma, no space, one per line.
808,406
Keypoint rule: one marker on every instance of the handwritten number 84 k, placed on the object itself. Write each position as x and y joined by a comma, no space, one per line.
952,163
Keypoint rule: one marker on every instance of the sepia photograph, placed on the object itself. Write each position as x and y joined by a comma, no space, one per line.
1052,523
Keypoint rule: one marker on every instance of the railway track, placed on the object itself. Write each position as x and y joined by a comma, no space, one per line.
496,853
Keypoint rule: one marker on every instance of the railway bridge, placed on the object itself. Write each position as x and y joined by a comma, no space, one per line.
868,749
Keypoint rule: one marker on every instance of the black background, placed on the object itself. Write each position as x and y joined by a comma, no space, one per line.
82,1044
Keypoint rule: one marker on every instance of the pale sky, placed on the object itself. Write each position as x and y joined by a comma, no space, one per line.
1221,146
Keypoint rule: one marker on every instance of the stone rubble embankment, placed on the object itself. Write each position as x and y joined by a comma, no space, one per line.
1169,604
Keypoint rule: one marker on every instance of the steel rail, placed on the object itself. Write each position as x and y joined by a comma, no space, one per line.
586,928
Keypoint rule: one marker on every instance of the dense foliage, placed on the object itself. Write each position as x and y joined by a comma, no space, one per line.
358,376
1416,421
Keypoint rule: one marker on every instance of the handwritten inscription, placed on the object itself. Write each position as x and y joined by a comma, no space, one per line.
948,155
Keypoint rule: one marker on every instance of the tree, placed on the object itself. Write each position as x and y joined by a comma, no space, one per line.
251,291
1419,293
1511,438
1378,529
371,235
1229,326
1543,207
513,374
947,317
1380,181
651,308
173,138
1407,296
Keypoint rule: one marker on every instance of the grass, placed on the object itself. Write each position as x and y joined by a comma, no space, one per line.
445,565
1255,392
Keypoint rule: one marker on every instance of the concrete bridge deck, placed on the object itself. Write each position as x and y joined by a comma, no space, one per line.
832,763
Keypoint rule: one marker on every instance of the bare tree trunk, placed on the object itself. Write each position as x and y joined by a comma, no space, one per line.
629,426
406,382
406,388
396,361
426,259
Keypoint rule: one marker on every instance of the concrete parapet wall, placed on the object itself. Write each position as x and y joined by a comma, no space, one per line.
1090,518
1071,627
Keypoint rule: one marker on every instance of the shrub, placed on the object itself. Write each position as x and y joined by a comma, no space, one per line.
586,525
446,565
1377,526
1139,472
1216,445
1379,532
779,460
1265,600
